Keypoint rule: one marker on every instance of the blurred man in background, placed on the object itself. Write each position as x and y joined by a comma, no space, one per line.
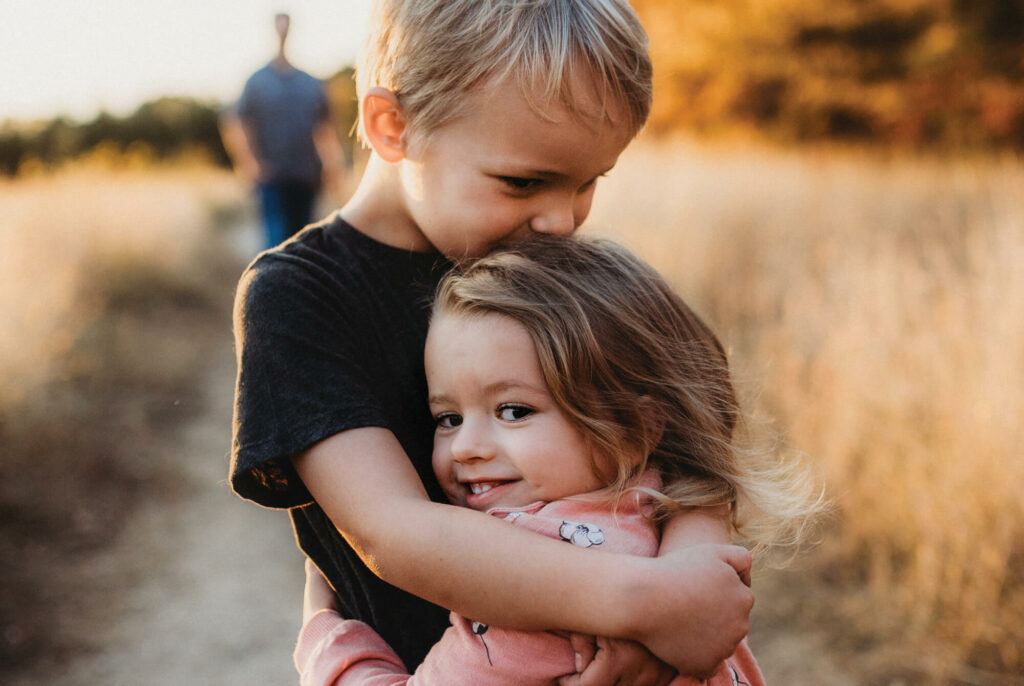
280,137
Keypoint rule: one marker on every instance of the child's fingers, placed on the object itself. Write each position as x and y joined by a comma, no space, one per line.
623,663
584,646
740,560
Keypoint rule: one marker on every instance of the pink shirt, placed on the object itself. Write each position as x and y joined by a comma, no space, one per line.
334,651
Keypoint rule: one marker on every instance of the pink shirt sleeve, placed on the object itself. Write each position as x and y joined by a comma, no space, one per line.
332,651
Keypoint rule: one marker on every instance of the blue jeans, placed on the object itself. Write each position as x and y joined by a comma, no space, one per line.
286,207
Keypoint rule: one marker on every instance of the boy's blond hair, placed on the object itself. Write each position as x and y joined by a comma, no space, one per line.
432,53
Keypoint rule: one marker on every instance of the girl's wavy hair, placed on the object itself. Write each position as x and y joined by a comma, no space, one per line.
433,53
639,373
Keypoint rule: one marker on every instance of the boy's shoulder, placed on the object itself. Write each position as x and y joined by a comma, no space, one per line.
331,258
330,248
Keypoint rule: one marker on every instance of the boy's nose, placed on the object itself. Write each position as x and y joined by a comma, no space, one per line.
559,218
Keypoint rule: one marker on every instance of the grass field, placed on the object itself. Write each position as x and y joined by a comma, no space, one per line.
874,309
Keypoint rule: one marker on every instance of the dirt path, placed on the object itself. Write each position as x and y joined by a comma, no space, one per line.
205,588
205,601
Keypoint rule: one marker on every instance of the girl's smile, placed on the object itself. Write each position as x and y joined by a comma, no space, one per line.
481,493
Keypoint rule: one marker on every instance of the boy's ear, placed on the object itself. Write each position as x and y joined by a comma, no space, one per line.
384,124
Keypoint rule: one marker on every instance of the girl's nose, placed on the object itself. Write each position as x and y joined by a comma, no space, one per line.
473,441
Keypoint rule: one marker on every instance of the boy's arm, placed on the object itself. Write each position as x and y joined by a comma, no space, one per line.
236,142
696,527
479,568
605,659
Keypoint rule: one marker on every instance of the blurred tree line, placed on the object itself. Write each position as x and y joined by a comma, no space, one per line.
931,74
945,74
161,129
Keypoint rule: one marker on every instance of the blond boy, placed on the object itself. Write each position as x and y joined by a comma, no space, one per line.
487,120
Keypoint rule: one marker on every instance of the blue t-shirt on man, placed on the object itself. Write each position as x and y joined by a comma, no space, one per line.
281,107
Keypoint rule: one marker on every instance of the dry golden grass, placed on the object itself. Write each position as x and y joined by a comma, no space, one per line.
880,306
96,229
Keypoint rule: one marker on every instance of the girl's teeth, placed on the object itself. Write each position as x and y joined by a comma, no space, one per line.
477,489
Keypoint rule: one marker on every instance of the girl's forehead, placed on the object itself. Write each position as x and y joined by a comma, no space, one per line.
451,321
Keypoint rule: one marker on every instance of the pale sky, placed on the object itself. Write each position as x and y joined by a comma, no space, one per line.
75,57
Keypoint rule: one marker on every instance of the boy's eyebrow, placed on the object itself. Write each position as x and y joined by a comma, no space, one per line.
542,173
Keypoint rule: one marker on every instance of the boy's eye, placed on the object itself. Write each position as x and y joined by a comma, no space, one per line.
519,183
593,181
448,420
514,413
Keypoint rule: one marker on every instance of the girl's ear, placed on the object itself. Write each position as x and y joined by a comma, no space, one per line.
384,124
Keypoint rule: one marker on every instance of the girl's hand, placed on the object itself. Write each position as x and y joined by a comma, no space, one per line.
601,661
318,594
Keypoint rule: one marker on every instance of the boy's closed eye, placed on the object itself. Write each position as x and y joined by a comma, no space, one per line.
523,184
520,183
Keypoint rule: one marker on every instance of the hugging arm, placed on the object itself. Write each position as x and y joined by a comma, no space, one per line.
605,658
479,568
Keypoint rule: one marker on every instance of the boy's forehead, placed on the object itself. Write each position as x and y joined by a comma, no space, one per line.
577,98
508,101
526,109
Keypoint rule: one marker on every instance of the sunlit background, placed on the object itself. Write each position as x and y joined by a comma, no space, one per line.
838,187
62,57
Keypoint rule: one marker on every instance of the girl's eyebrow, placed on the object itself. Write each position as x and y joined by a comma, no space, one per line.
494,387
438,399
512,385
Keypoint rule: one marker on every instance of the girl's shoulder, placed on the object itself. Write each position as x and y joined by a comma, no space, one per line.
588,523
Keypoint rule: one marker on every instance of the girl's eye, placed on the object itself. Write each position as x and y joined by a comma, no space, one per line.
518,183
514,413
448,420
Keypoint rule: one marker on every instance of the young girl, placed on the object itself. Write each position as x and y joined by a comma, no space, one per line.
577,396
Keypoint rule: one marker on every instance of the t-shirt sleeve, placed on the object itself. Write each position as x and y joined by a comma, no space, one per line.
303,375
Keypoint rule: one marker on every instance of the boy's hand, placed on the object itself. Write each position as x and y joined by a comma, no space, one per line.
714,603
318,594
601,661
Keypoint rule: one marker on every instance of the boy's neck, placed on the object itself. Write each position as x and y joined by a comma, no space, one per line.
378,210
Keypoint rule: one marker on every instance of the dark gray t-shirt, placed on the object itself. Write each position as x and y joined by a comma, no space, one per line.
282,108
329,332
